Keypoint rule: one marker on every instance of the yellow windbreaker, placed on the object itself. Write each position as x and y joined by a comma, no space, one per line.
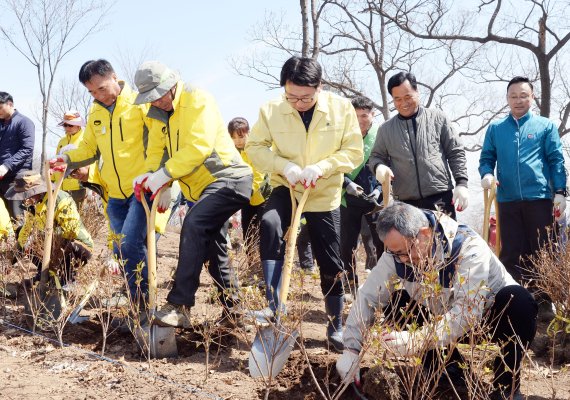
258,180
69,184
119,139
199,148
333,142
67,221
6,229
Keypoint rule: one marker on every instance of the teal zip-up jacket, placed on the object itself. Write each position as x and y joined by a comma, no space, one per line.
528,156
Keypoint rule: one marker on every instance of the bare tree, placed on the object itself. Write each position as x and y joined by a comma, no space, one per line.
129,61
536,26
45,32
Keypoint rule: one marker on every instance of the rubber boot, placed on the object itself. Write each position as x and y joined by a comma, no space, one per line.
272,275
333,307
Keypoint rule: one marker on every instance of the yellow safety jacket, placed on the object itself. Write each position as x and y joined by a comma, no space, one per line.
333,142
67,221
259,181
199,149
68,184
117,140
6,229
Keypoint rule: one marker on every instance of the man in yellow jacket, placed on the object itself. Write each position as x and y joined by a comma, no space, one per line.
308,137
185,122
73,125
76,243
115,136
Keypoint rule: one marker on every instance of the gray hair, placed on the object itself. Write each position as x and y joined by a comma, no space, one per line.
404,218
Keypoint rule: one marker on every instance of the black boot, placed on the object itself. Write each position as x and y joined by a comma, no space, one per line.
333,307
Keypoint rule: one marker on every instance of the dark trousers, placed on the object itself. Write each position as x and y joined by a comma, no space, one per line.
14,207
523,231
250,217
439,201
304,249
203,239
351,220
368,243
324,231
511,321
78,197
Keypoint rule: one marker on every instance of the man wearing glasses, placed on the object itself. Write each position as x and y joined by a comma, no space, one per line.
438,283
308,137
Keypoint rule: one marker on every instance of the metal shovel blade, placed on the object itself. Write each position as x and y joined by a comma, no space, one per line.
160,340
270,351
47,309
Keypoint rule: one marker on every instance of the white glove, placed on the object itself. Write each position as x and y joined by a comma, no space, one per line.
113,266
353,189
157,180
292,173
381,172
559,207
139,179
402,343
460,197
164,200
375,194
310,175
348,367
65,148
487,181
3,171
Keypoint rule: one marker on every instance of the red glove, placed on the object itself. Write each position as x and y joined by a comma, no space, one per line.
57,164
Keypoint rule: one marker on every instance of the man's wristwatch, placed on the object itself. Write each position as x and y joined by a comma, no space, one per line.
563,192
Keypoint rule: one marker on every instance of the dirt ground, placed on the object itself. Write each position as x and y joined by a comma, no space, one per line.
35,367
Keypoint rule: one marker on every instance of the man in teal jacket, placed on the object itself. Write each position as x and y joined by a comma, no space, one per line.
531,177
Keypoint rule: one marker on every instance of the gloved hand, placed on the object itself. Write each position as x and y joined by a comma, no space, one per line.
292,173
164,200
310,175
3,170
381,172
58,164
353,189
402,343
559,207
460,197
156,180
137,184
487,181
348,367
65,148
375,194
113,266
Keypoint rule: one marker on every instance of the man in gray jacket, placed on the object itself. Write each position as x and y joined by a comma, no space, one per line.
438,283
420,151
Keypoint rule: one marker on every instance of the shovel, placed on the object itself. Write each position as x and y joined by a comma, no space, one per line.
161,340
49,301
273,344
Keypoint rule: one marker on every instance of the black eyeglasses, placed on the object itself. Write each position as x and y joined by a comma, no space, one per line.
401,254
294,100
67,125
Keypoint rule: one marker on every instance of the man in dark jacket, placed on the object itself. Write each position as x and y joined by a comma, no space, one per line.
16,148
421,151
361,191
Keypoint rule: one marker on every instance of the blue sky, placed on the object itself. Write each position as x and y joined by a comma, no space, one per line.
196,38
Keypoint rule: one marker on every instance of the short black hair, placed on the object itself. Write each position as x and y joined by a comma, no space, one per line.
6,97
94,67
400,78
362,103
238,125
520,79
301,71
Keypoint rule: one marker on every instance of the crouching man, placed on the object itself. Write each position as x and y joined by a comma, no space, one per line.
75,244
471,289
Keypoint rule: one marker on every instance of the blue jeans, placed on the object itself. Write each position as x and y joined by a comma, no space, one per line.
128,222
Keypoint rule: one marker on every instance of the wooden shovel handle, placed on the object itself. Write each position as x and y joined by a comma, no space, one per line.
386,189
151,246
52,192
290,247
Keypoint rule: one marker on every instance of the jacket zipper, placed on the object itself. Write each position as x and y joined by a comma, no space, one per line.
121,128
518,156
113,153
415,160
